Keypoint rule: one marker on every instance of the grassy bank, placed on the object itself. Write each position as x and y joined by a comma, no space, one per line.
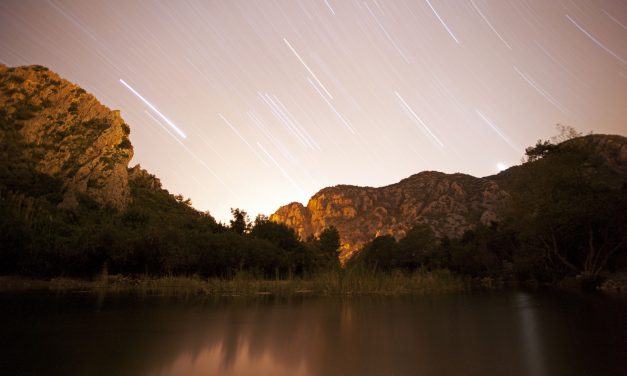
324,284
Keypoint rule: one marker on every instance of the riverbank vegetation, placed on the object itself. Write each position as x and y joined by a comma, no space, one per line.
566,219
333,283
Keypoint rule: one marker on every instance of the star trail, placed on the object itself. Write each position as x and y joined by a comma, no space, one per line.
254,104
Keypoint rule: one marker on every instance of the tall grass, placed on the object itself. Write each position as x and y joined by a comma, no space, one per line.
330,283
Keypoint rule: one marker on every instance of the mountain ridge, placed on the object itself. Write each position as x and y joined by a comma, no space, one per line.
449,204
70,205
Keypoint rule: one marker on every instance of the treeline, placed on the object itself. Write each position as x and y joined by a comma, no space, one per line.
567,216
158,234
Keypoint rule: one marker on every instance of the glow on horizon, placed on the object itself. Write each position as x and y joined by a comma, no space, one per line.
170,123
357,92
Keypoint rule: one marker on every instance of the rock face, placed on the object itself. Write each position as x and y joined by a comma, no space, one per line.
448,204
67,133
150,180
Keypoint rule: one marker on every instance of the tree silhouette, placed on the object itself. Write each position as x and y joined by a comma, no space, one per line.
240,223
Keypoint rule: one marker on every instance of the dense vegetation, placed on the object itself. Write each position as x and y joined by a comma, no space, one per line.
158,234
567,217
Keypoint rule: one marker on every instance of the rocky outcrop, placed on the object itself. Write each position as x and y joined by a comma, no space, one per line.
448,204
67,134
137,173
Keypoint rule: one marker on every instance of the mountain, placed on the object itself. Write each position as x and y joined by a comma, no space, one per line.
70,206
56,129
449,204
599,150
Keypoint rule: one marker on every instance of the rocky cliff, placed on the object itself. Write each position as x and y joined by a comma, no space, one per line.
64,132
448,203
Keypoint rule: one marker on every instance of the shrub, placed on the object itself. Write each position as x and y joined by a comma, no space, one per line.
125,144
73,109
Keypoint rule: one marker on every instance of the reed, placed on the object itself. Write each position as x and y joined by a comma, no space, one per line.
330,283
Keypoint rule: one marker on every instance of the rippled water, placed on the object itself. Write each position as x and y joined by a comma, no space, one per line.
502,333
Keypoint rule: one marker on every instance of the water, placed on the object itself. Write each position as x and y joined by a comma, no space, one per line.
502,333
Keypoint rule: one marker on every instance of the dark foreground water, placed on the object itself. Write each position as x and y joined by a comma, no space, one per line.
504,333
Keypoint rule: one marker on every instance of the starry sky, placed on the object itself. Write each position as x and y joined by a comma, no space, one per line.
255,104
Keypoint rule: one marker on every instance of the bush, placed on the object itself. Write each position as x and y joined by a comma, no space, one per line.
125,144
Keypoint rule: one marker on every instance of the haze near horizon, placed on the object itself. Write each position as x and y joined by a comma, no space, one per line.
257,104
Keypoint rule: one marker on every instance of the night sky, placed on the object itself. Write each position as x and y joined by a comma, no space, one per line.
255,104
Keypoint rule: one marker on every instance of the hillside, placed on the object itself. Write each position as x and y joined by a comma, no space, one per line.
56,128
69,205
449,204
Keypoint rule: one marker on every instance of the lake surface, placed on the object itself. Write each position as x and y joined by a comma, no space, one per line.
500,333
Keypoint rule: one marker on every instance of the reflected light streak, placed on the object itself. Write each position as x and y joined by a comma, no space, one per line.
242,138
180,132
306,67
498,131
614,19
300,134
332,107
197,158
442,22
386,34
287,176
278,144
489,24
296,123
541,91
329,6
413,114
595,40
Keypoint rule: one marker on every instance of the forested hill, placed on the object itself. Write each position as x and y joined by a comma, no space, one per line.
69,204
61,133
565,214
451,204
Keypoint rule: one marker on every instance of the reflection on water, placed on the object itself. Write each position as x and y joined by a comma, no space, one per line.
532,347
507,333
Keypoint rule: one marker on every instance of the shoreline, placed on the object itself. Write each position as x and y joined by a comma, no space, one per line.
328,284
325,284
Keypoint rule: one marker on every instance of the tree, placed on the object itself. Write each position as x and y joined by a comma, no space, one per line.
379,254
543,148
329,245
565,133
186,201
570,210
240,224
418,248
297,256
